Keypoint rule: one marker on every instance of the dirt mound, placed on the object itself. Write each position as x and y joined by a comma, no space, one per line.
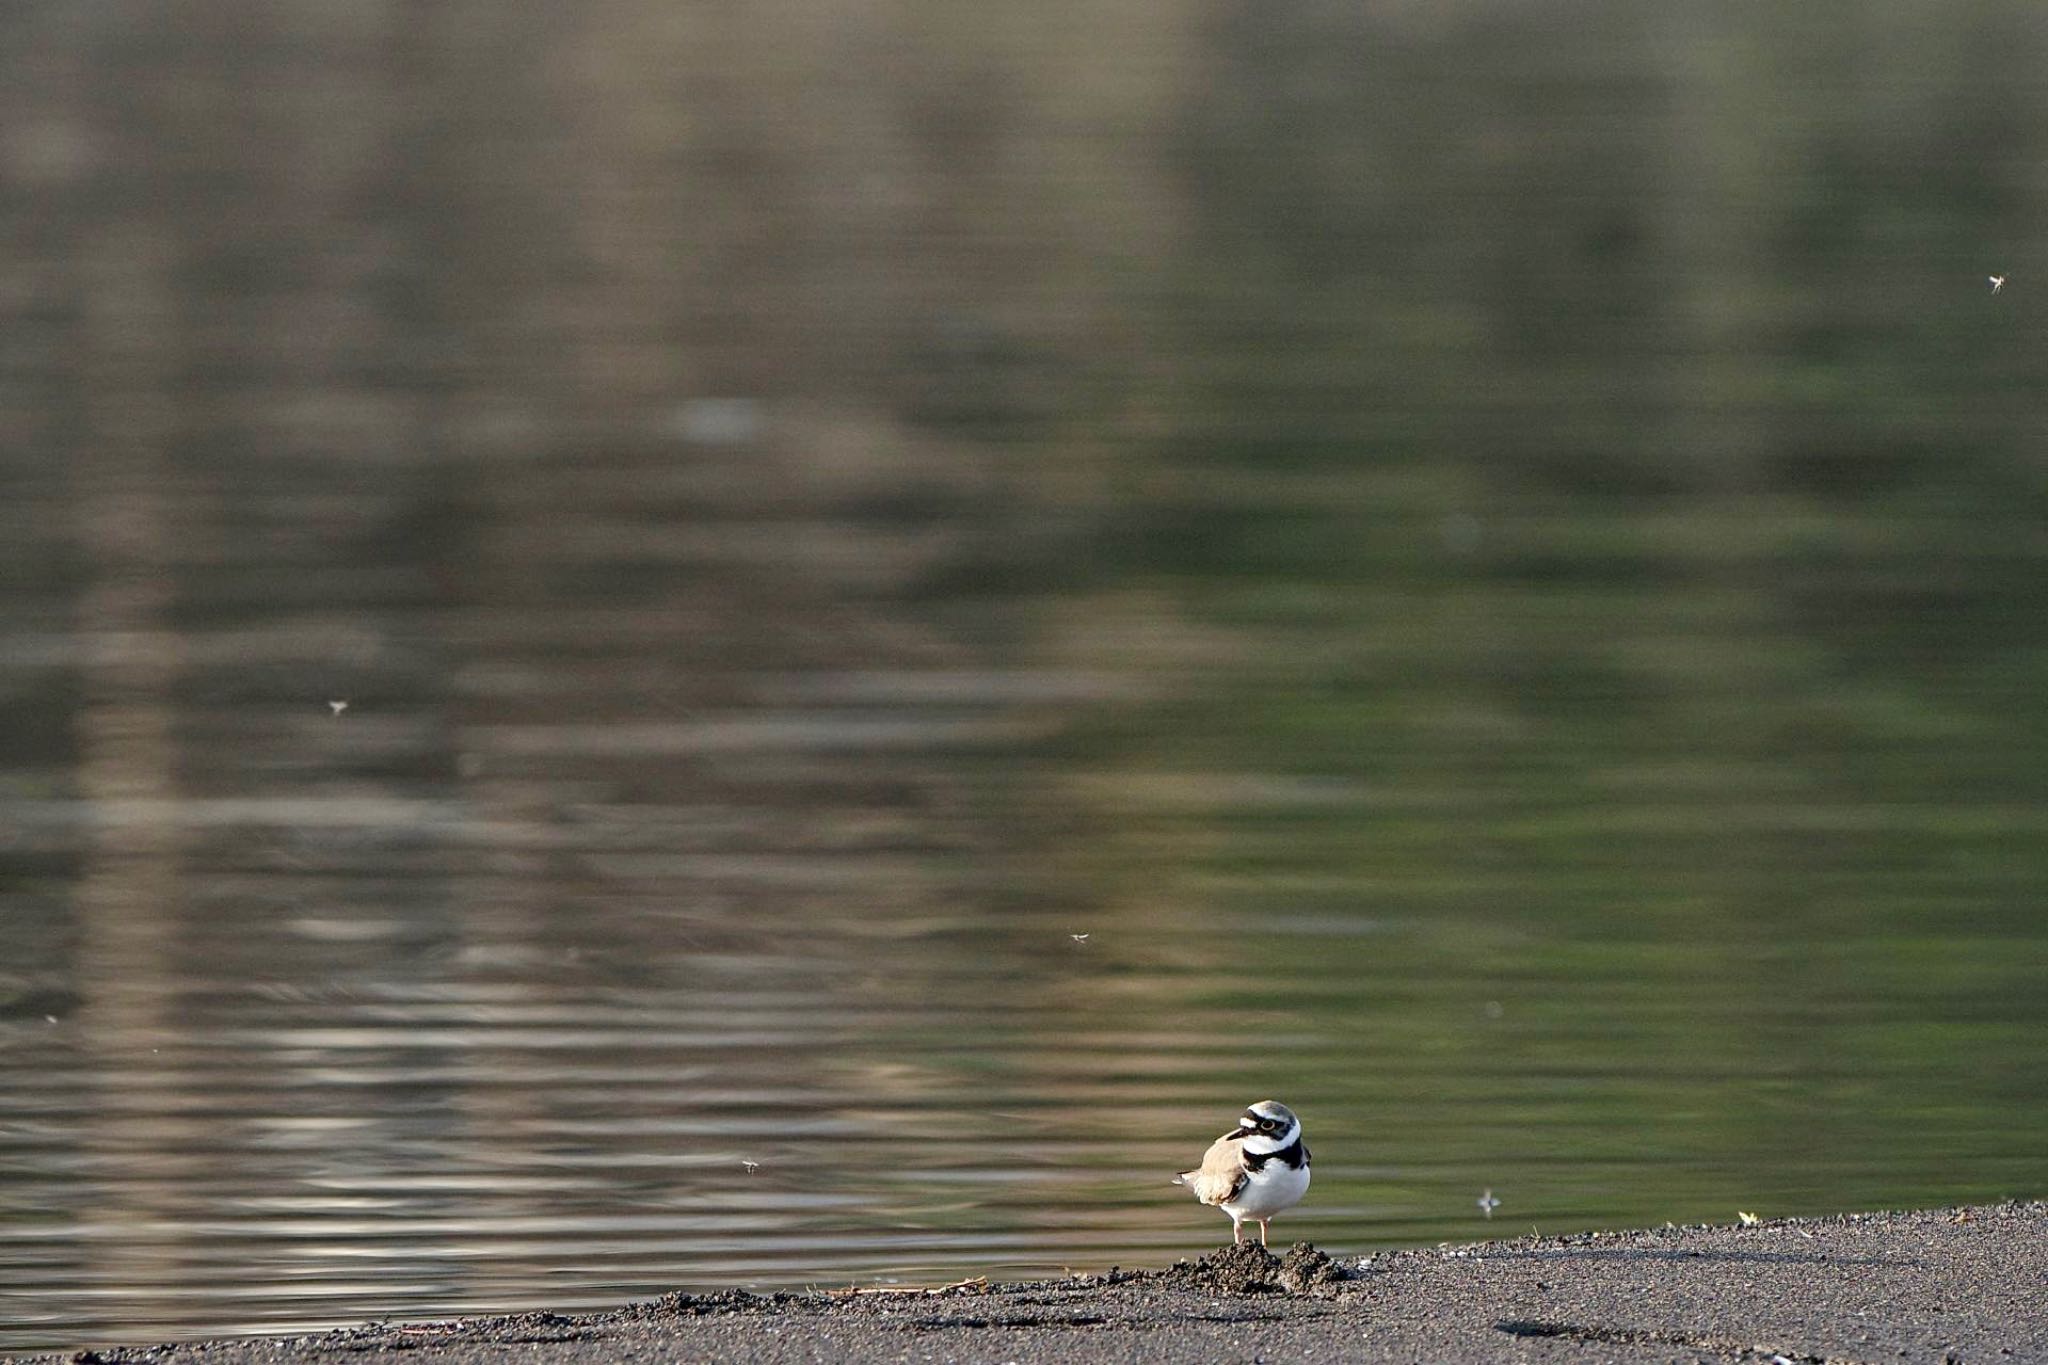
725,1301
1247,1268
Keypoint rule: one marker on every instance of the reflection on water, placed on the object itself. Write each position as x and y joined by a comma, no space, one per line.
789,648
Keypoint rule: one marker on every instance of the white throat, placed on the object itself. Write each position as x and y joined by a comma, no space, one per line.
1260,1144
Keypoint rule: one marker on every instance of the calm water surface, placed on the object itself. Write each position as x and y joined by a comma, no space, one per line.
785,650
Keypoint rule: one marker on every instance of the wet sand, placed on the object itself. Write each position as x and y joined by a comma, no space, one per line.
1956,1285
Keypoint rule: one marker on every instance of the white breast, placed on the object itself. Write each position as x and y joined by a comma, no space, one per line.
1268,1190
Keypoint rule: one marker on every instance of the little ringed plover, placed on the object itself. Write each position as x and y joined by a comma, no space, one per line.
1255,1170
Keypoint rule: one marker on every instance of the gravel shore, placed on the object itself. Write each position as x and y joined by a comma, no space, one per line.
1957,1285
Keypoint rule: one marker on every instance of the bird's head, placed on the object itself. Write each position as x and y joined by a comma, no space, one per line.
1267,1126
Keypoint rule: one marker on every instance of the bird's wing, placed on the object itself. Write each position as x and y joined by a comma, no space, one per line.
1222,1173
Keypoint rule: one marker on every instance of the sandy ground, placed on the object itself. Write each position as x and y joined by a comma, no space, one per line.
1959,1285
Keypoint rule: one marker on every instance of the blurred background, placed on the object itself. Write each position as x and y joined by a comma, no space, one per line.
657,645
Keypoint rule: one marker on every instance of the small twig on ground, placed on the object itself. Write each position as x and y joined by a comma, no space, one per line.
977,1282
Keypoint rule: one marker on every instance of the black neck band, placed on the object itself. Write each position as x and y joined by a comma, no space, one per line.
1293,1155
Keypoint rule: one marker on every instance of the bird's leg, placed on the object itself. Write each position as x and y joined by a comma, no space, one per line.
1262,1234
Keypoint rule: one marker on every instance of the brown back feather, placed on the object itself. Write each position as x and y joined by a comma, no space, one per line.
1222,1172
